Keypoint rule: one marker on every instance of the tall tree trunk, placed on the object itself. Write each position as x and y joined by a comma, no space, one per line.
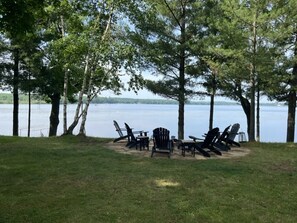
66,80
252,109
292,107
54,116
291,116
212,96
181,103
65,95
258,114
29,113
181,94
253,82
211,112
15,129
181,112
292,101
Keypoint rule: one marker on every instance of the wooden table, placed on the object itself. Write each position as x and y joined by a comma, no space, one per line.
143,142
187,146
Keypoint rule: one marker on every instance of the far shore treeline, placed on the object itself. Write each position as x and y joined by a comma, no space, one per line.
7,98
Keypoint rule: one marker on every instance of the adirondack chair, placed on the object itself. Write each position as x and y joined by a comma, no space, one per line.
230,139
219,143
119,131
141,141
162,141
207,143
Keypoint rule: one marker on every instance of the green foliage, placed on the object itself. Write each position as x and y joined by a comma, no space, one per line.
283,81
18,39
164,33
66,32
168,36
74,179
18,17
240,44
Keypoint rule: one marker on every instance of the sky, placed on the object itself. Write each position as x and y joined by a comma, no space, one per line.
141,94
145,94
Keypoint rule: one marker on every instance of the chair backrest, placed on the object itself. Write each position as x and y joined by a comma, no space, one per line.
233,132
118,129
224,134
130,133
161,138
211,136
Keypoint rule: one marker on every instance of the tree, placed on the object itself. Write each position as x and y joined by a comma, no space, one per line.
100,53
284,80
242,42
62,51
16,22
41,55
164,31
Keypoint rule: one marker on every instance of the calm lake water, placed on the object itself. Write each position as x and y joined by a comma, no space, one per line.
147,117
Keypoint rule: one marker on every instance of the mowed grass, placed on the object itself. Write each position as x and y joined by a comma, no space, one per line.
74,179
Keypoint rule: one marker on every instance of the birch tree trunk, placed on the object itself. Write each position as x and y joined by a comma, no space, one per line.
78,112
66,80
65,93
82,129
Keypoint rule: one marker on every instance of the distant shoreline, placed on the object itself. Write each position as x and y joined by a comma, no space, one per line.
6,98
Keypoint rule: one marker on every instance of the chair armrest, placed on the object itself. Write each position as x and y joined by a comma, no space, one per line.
195,138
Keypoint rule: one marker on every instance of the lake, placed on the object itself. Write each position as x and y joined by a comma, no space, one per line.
147,117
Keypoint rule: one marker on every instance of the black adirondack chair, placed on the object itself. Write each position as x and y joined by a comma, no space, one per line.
119,131
132,140
219,143
207,143
230,139
162,141
140,141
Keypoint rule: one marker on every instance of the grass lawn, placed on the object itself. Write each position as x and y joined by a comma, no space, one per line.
72,179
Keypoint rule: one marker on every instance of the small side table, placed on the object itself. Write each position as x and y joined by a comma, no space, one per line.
187,146
143,142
